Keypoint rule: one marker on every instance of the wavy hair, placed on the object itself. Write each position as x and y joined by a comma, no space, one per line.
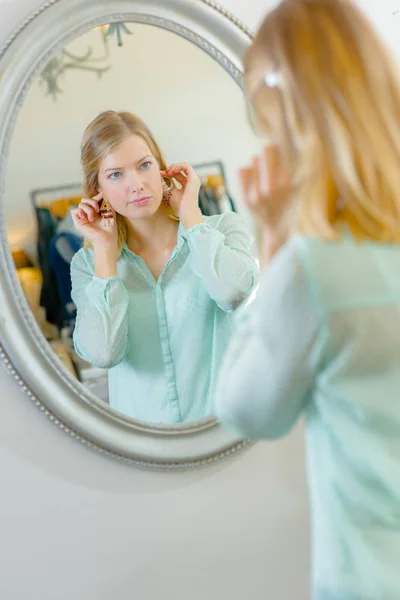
325,90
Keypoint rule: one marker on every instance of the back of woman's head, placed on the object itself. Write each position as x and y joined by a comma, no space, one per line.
325,90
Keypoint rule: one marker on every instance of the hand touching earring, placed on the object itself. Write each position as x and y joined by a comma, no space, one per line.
267,193
90,224
185,201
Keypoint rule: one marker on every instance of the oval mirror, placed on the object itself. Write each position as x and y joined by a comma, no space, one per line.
124,358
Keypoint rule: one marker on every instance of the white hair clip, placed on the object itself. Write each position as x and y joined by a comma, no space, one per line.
271,79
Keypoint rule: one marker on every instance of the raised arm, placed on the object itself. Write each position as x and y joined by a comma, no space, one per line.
222,257
271,364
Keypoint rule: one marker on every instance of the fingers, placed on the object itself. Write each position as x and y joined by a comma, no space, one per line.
265,172
263,177
278,172
256,178
180,168
245,179
79,217
181,179
90,208
271,168
89,211
95,204
176,167
183,173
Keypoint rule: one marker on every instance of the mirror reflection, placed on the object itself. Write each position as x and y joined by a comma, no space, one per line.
125,221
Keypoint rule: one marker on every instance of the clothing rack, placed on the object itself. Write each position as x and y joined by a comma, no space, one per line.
213,163
50,297
69,188
218,166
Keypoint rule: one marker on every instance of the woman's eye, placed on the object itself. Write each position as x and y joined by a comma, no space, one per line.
115,175
146,164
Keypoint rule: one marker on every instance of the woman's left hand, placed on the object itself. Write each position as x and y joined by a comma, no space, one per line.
267,189
267,192
185,201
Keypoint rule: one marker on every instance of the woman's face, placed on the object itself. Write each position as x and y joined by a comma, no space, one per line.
129,177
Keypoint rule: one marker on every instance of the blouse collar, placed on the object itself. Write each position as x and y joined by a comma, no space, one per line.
182,237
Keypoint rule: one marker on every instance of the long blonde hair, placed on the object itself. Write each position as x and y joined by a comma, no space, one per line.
325,90
109,129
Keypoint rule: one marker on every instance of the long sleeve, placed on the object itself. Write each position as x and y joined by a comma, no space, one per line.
222,257
101,329
269,371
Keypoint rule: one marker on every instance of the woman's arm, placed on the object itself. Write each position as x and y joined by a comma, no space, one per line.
269,371
101,329
222,257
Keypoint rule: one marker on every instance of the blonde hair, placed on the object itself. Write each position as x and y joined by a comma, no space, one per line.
325,90
109,129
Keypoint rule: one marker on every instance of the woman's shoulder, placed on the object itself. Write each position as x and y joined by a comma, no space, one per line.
348,272
345,250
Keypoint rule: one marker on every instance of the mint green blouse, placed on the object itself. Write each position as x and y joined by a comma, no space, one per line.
163,341
322,339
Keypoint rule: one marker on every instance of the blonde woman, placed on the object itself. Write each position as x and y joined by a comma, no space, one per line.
155,292
322,338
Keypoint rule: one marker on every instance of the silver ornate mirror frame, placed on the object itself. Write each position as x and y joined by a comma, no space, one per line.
23,348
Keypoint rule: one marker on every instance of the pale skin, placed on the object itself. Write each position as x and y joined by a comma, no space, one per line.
267,193
128,174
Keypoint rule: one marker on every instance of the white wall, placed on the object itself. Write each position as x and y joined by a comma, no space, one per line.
76,525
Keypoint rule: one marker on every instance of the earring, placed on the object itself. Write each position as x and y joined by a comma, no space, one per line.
106,214
168,186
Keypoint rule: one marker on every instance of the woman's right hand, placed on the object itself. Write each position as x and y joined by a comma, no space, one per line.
90,225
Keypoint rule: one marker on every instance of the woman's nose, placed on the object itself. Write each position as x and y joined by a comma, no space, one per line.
135,181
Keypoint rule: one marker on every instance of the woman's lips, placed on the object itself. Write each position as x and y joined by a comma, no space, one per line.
140,201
